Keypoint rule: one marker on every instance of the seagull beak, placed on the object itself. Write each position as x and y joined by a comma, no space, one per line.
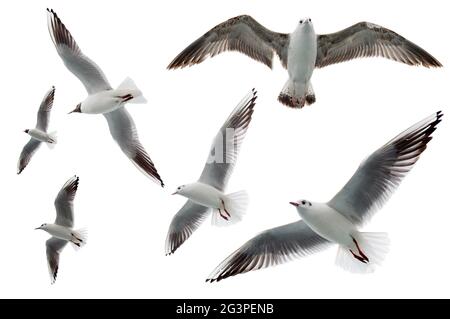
37,228
294,204
174,193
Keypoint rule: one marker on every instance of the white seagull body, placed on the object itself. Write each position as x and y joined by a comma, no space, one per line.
208,193
39,134
62,230
302,50
102,98
337,221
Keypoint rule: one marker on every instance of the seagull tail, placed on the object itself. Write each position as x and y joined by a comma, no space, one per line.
373,248
130,89
234,208
296,95
79,238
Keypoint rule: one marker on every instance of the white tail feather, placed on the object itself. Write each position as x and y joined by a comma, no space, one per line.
79,238
374,245
236,205
131,88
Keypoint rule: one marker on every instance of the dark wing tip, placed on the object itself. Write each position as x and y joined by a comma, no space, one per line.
143,161
190,55
174,241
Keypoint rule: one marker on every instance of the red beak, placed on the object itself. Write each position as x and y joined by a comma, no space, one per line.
294,204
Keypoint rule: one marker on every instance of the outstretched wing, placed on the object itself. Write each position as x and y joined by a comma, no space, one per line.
43,116
124,132
89,73
272,247
226,145
241,33
366,39
183,224
27,153
382,172
64,202
54,247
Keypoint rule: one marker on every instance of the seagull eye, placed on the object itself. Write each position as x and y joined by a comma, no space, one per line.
309,19
301,21
303,202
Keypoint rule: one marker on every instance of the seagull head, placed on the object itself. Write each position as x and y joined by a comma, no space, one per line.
302,203
26,131
305,21
180,190
43,227
305,24
77,109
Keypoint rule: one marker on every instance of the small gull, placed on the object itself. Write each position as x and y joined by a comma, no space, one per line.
337,221
62,230
102,99
39,134
207,194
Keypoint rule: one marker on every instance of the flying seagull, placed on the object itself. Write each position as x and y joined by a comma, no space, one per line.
337,221
39,134
102,99
62,230
207,194
302,51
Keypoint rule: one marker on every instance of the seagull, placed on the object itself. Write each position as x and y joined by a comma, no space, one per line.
102,99
207,194
302,51
337,221
39,134
62,230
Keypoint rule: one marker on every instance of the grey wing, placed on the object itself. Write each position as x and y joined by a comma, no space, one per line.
54,247
241,33
225,147
183,224
89,73
270,248
64,202
123,130
366,39
27,153
43,116
381,173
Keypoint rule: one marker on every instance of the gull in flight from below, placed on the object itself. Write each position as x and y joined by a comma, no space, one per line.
337,221
102,99
302,51
62,230
207,194
39,134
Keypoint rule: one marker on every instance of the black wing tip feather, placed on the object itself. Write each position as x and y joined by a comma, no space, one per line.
174,241
71,185
143,161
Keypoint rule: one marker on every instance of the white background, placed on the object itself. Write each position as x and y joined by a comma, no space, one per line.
287,155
